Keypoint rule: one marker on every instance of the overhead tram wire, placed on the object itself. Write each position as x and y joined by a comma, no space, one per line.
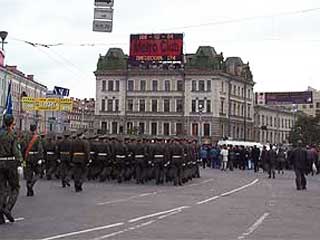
238,20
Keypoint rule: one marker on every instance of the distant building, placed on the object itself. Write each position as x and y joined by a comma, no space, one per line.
314,108
82,115
272,124
206,96
22,85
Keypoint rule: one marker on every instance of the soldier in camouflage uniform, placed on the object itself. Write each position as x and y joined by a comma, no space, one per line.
80,149
33,156
10,156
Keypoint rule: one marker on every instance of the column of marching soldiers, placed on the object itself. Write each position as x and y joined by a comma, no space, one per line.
101,158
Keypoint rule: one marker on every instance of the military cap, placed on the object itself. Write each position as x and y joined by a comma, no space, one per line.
8,119
66,133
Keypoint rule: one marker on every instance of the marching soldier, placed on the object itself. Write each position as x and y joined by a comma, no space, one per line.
33,156
105,155
140,155
176,154
121,153
50,157
64,158
80,157
10,156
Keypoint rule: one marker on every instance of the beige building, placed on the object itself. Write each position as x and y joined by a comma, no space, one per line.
206,96
22,85
272,124
314,108
82,115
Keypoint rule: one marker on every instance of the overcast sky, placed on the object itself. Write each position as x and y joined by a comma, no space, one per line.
279,39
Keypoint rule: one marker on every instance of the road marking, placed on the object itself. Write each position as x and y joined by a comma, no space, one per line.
227,193
16,220
254,226
125,230
157,214
127,199
83,231
170,214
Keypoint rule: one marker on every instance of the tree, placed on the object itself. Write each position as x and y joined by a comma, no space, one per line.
307,129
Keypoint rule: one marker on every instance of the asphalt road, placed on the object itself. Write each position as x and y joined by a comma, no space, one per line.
220,205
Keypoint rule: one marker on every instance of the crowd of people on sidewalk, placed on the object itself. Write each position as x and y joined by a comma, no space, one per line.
270,158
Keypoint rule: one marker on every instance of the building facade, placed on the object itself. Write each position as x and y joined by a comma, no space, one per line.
273,124
82,115
206,96
22,86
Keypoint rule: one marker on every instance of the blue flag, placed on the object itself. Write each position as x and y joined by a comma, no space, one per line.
8,109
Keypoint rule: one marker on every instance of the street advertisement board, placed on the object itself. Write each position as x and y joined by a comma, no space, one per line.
281,98
102,26
156,47
104,3
46,104
103,13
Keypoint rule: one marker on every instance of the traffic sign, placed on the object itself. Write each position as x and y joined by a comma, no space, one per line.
104,3
102,26
103,13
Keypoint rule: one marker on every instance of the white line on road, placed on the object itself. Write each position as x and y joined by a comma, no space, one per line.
83,231
16,220
157,214
254,226
227,193
127,199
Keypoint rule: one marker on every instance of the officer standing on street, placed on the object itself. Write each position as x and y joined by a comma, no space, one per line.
298,158
10,156
80,158
33,156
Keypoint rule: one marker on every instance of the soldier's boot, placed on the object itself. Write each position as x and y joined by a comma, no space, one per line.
8,215
273,174
30,192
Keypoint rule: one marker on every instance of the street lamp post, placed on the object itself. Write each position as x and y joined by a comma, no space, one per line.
200,106
3,36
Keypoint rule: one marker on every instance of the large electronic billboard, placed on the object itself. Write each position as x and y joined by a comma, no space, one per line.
156,47
280,98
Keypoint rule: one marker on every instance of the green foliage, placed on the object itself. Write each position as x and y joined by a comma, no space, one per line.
307,129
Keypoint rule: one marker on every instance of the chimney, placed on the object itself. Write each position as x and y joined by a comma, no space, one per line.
30,77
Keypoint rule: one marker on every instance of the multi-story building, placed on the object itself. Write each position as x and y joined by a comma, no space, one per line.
272,124
82,115
22,85
314,108
205,96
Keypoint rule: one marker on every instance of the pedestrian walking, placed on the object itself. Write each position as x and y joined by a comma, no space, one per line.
224,153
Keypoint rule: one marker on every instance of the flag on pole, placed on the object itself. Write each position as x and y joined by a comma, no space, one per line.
8,109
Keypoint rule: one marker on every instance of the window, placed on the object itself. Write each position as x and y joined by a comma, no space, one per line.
166,129
179,85
142,105
193,106
110,107
167,85
238,91
249,94
143,85
141,128
114,127
179,106
154,128
117,85
208,106
234,108
249,112
194,86
206,129
129,127
201,86
130,105
154,105
179,130
195,129
222,86
208,85
130,85
155,85
234,90
117,105
271,121
311,105
242,92
318,105
110,86
201,106
166,105
104,85
222,106
104,126
103,105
